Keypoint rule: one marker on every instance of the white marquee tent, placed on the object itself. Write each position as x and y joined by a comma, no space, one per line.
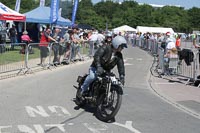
144,29
124,28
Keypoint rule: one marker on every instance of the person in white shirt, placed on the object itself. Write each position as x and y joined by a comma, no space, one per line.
100,38
92,40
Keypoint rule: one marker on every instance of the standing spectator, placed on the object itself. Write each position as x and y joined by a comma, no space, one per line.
76,44
12,33
178,42
171,53
25,39
100,38
57,48
194,41
170,44
84,39
92,40
44,43
67,42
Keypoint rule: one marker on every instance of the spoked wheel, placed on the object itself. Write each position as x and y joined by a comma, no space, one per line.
78,100
108,108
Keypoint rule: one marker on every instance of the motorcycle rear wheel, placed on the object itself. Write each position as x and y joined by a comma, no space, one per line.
106,110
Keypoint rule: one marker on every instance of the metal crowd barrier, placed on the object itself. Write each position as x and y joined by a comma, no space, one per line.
189,71
25,58
12,59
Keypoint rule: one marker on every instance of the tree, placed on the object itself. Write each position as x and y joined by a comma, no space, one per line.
25,6
194,18
117,14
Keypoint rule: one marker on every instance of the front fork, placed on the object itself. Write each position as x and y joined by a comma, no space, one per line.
108,93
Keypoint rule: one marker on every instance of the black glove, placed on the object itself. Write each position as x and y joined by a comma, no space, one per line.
122,79
99,70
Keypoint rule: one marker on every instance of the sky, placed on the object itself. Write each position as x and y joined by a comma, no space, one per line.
187,4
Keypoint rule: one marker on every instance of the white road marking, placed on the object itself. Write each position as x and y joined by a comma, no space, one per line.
41,111
128,125
39,129
70,124
32,111
139,59
26,129
92,127
128,59
59,126
4,127
127,64
163,83
53,110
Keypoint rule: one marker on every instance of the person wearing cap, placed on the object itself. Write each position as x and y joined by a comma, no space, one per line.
169,42
25,39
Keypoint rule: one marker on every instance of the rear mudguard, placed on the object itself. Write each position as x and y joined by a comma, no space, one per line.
117,88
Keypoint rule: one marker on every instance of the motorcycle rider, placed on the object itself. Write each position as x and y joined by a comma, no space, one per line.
105,59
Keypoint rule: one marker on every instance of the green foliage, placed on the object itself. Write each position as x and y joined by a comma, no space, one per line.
26,5
128,12
194,18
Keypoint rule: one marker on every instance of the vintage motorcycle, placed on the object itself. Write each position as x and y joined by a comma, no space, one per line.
105,94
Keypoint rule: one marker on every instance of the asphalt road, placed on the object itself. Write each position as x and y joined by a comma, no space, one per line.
43,103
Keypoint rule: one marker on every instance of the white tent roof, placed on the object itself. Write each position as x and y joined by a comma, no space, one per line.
144,29
124,28
8,14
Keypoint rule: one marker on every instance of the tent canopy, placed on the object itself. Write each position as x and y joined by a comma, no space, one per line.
42,15
144,29
124,28
9,14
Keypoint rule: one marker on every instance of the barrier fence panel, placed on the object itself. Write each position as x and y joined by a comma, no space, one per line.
196,64
149,44
138,42
33,55
187,67
12,59
27,57
161,59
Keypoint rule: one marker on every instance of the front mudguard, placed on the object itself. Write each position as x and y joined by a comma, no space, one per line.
118,88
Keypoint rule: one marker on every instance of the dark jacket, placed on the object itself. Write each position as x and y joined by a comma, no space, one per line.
103,58
186,55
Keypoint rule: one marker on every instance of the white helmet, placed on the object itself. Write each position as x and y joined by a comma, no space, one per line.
119,41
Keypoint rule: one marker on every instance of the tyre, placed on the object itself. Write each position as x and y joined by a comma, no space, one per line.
107,109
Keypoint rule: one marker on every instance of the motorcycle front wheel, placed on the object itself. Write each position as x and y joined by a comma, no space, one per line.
108,108
78,100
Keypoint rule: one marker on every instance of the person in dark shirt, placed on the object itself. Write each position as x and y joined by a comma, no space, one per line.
12,33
